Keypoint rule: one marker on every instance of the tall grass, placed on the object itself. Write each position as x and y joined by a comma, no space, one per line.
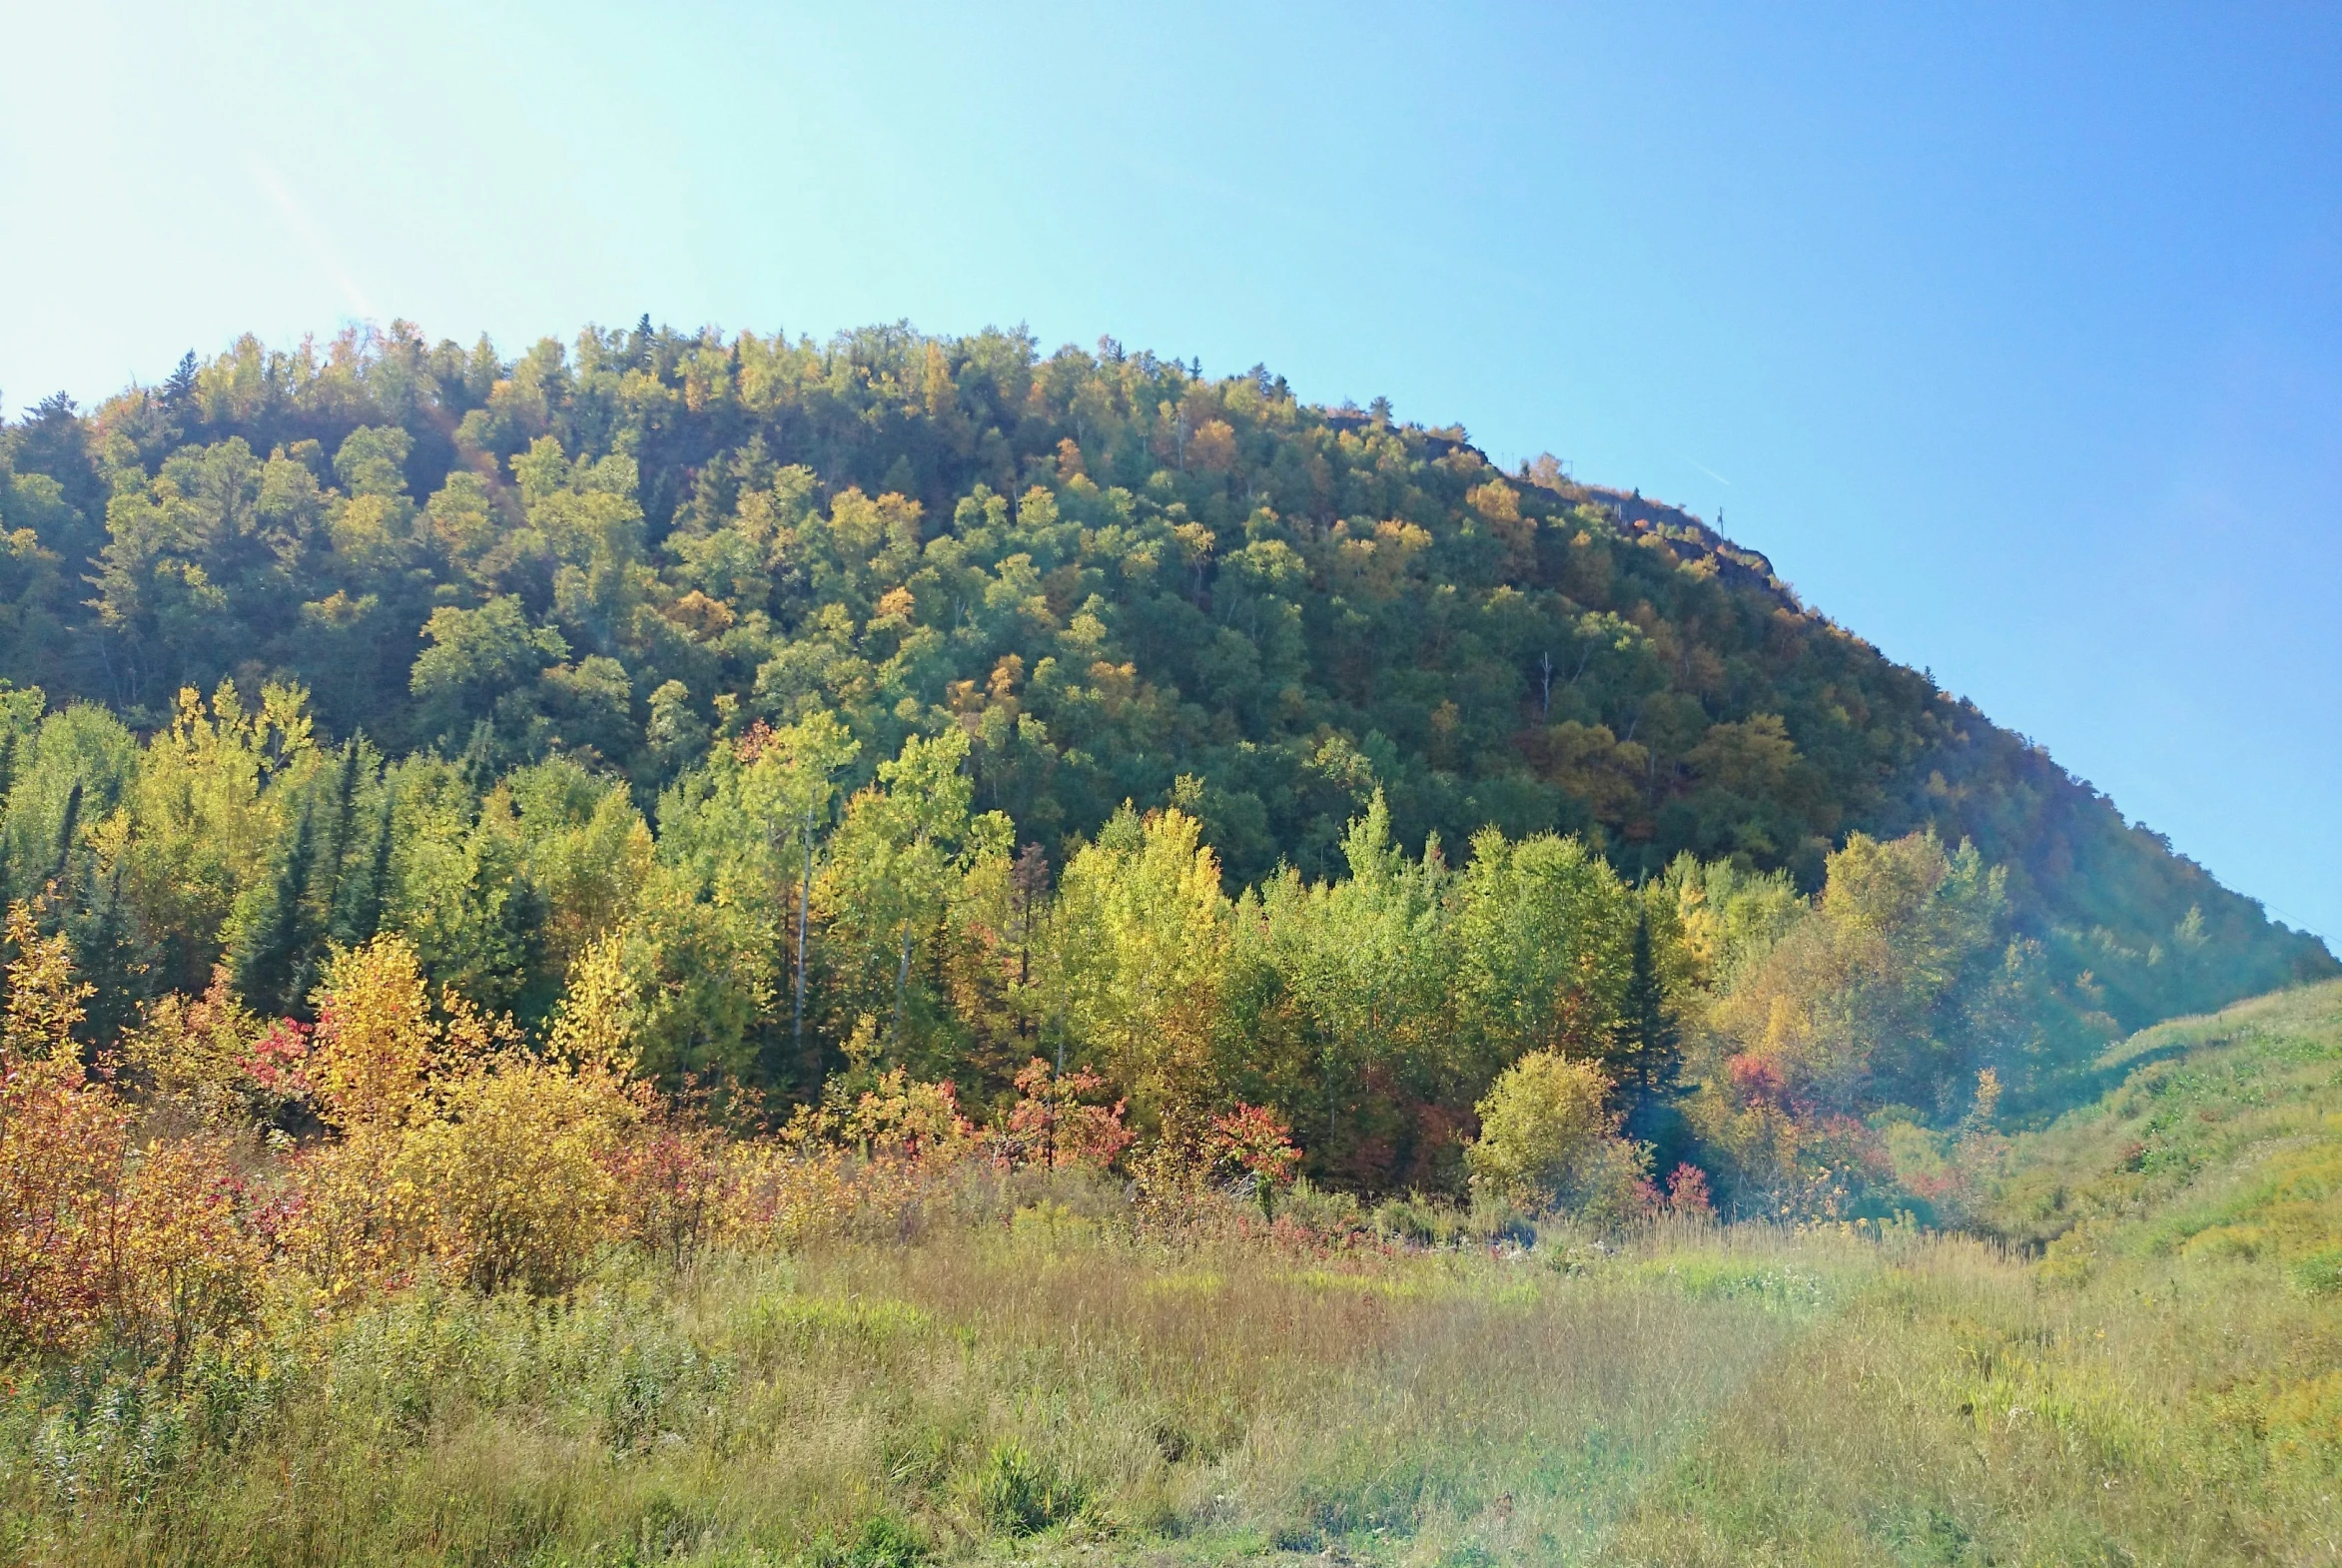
1062,1387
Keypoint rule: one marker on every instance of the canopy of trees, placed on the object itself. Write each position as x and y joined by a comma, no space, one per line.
931,704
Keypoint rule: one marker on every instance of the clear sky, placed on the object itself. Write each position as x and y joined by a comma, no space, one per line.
2014,334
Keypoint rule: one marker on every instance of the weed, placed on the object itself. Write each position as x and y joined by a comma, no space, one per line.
1019,1494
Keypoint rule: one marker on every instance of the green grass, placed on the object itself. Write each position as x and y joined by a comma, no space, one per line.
2144,1368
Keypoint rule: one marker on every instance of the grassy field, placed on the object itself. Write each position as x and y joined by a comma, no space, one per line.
2144,1368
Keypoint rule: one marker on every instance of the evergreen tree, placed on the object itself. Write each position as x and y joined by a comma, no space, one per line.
1649,1060
358,908
272,972
179,386
108,957
62,861
1650,1057
7,782
340,818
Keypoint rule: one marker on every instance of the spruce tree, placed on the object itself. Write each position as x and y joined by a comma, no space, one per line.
357,906
1653,1057
341,820
1650,1057
7,783
62,862
179,386
271,972
107,956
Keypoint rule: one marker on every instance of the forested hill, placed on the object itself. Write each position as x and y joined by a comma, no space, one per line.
1125,579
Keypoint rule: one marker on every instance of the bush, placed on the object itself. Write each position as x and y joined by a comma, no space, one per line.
192,1268
1321,1212
2319,1274
513,1184
884,1541
151,1252
197,1052
1549,1140
1415,1222
62,1146
375,1038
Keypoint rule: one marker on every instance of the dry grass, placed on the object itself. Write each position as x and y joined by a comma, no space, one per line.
1061,1391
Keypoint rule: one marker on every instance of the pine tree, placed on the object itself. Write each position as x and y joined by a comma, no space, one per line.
179,386
108,957
1648,1060
358,908
62,861
342,817
1652,1059
7,782
271,972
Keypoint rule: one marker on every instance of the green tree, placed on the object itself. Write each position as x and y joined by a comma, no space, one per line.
790,788
482,668
272,972
1646,1058
895,863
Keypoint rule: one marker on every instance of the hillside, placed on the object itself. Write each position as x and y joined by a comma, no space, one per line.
726,951
1112,570
2221,1142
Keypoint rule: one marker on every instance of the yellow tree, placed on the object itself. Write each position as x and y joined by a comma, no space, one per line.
374,1037
1548,1138
1138,955
196,829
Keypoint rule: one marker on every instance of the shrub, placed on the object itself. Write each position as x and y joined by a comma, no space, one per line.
2318,1274
1414,1220
1687,1193
197,1051
910,1121
340,1220
1549,1140
191,1269
511,1182
152,1251
62,1144
1256,1141
1054,1125
884,1541
674,1184
786,1194
1323,1215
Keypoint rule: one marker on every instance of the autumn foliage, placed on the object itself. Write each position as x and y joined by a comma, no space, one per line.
100,1238
162,1209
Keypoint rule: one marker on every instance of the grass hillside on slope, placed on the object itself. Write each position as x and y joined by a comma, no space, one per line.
1038,1381
2222,1141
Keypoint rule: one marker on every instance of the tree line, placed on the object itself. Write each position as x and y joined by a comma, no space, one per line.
885,694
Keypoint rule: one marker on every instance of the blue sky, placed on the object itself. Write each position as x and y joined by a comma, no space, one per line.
2012,334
